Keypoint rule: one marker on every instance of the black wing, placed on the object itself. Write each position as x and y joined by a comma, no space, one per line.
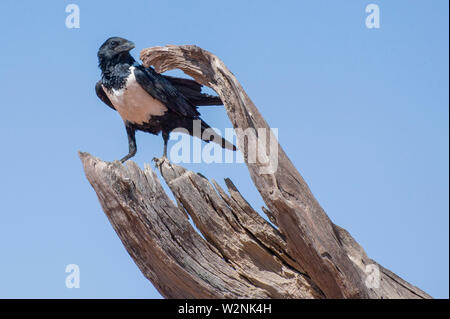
162,89
183,83
102,95
192,91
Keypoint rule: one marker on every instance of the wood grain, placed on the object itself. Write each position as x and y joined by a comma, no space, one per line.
302,254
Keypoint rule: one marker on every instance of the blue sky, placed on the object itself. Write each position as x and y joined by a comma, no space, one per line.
362,113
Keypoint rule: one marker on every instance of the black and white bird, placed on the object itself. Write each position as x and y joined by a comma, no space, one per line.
148,101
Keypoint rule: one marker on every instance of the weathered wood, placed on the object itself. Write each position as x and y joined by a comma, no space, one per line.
309,231
240,255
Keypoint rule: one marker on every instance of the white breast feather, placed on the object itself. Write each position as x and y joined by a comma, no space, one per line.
133,103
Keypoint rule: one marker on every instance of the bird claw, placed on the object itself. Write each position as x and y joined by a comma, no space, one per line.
160,161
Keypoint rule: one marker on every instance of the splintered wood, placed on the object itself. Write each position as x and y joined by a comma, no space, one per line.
302,254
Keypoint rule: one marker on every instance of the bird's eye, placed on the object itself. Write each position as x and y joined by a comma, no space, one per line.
114,43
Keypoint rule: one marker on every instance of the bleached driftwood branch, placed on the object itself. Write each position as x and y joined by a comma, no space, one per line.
240,255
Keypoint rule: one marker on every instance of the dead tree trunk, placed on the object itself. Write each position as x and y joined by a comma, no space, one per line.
241,255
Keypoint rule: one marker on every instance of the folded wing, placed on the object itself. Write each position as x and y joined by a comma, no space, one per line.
162,89
193,91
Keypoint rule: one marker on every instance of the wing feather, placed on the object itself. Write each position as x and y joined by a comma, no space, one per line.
162,89
192,91
102,95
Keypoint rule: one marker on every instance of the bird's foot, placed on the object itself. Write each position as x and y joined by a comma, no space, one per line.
159,161
127,157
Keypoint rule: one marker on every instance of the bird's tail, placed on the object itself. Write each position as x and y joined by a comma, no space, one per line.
204,99
214,137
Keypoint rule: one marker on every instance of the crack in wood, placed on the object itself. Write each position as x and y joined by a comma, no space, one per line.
243,256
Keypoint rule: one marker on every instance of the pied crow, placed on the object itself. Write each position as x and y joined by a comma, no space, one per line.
149,101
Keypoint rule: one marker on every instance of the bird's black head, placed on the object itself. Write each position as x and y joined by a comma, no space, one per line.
115,50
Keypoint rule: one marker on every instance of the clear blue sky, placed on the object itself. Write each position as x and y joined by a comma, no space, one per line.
362,113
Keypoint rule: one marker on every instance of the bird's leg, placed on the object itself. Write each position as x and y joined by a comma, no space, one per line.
159,161
131,132
165,136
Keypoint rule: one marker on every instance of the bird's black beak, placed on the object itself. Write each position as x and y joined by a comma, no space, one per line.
125,47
